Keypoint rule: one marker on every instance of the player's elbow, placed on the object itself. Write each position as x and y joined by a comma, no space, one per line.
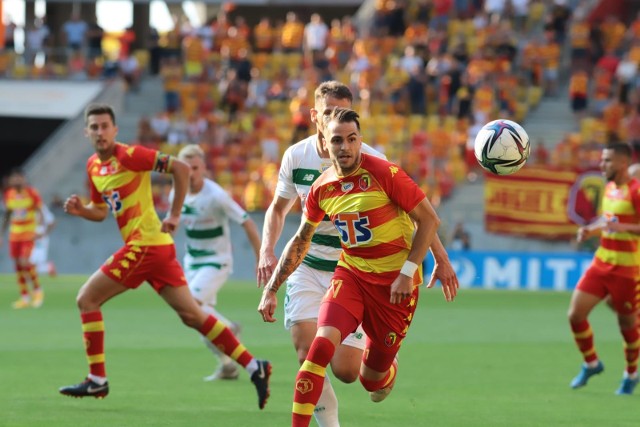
179,169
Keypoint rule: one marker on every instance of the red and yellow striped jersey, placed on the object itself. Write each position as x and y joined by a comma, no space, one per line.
123,182
24,205
369,208
618,252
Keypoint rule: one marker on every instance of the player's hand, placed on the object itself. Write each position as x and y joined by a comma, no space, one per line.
444,272
267,306
170,224
73,205
613,225
582,234
266,265
401,288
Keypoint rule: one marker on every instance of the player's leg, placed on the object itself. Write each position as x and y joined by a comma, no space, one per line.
24,301
96,291
37,294
335,321
345,364
220,335
591,289
204,284
305,289
386,325
625,303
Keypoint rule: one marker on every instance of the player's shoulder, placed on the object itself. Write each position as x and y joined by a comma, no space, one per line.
300,149
367,149
213,188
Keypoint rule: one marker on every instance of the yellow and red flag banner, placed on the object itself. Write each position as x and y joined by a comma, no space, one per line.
541,202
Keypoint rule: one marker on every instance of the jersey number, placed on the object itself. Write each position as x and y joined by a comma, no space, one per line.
353,229
113,200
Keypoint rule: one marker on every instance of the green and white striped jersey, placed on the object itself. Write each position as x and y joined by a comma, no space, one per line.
205,217
301,166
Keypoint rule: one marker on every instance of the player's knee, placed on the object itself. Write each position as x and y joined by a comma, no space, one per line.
575,316
345,374
626,322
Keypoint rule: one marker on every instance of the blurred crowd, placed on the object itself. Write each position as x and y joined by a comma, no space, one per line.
425,74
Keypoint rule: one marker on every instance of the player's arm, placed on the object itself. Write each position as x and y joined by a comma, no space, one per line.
180,172
271,231
253,235
91,211
291,259
427,223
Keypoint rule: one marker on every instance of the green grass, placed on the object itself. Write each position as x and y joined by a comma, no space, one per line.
491,358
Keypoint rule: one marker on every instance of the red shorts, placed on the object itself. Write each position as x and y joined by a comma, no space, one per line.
158,265
386,324
21,249
624,296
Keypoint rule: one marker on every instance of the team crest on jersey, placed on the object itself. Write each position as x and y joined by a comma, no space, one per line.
304,385
346,186
390,339
393,170
324,166
364,182
109,169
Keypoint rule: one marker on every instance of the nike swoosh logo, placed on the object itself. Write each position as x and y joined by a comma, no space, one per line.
90,389
261,373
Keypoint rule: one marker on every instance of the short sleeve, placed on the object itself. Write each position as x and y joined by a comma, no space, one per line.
285,187
312,209
231,208
400,188
142,159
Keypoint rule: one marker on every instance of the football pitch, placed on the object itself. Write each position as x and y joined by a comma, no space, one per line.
491,358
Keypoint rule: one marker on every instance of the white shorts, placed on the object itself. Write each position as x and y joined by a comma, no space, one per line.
205,282
305,289
40,254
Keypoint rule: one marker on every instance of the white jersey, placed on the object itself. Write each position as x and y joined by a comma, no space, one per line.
205,217
301,166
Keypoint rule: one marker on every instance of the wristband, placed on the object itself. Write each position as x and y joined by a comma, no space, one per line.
409,268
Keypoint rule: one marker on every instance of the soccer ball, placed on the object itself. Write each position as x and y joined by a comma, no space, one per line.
502,147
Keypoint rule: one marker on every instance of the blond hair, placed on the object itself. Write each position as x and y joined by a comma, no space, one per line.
190,151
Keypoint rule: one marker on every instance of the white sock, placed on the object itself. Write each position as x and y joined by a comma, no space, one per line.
326,411
224,359
98,380
252,366
628,375
592,364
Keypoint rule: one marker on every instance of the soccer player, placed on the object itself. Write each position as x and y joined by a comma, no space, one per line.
301,165
385,224
208,260
24,211
40,254
614,271
120,182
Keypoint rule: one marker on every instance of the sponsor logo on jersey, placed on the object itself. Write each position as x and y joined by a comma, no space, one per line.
347,186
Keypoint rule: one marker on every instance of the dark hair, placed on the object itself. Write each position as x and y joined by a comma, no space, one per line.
333,89
621,148
96,109
342,115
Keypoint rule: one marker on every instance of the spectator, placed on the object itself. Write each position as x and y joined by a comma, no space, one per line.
171,73
75,32
263,36
95,34
36,39
460,238
316,36
292,34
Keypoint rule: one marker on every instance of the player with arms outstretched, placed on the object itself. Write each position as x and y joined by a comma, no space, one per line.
386,225
615,269
120,182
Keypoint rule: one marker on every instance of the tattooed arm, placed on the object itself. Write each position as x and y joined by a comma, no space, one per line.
291,258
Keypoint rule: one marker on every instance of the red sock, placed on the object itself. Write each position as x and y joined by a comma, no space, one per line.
310,380
21,275
631,349
33,275
222,337
583,336
93,329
